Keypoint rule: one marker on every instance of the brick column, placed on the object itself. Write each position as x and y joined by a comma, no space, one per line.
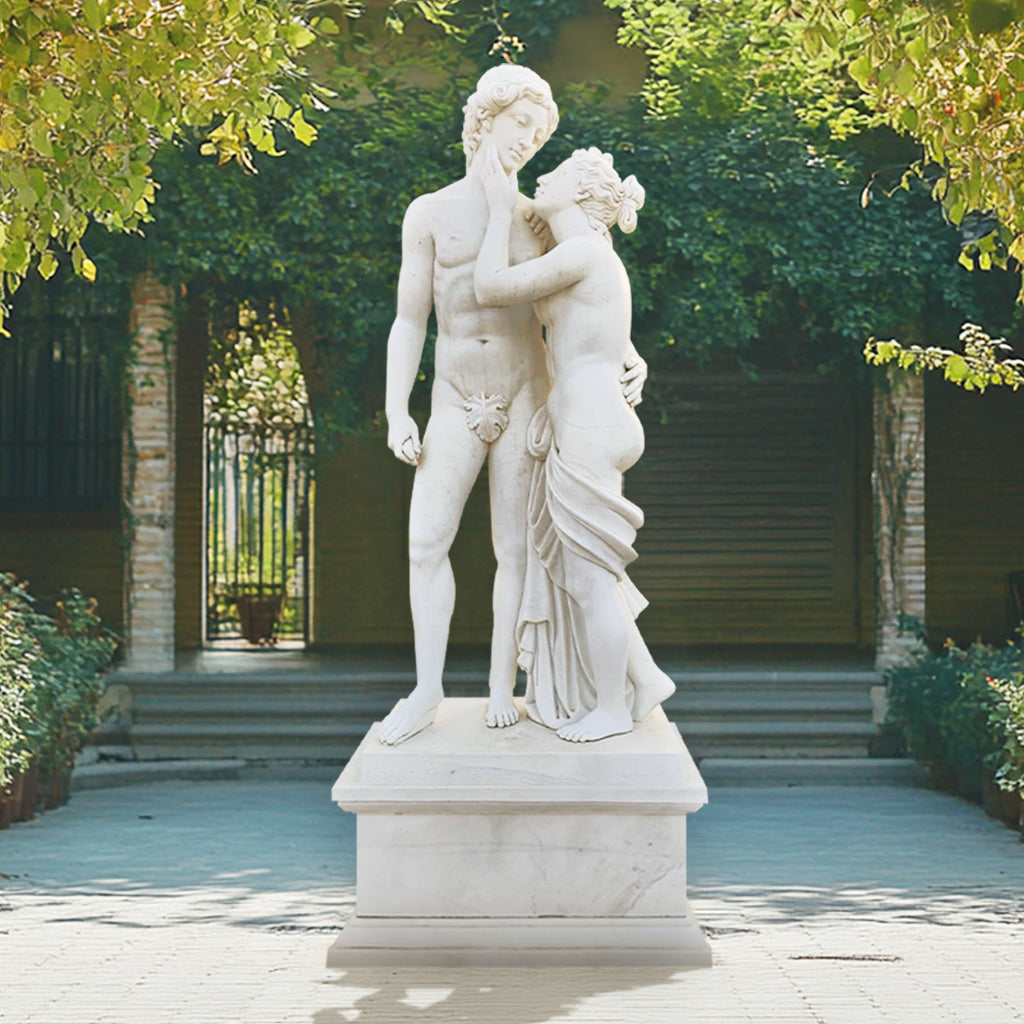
149,481
898,486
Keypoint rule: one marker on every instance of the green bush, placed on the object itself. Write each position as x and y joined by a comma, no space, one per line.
17,652
962,713
1007,719
51,678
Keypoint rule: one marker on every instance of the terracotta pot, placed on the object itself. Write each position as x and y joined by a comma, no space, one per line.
56,789
29,792
943,777
992,799
6,806
258,615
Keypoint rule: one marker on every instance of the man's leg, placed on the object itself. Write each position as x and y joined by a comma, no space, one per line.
510,468
449,464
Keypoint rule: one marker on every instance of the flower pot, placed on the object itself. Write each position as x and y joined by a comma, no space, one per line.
6,805
29,792
258,615
56,789
943,777
992,799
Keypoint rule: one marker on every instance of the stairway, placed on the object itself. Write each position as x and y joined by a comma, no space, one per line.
322,714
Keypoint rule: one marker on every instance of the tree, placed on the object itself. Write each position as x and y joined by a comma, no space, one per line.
709,60
952,75
91,88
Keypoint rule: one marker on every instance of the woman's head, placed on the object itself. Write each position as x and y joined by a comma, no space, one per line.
499,89
604,196
589,179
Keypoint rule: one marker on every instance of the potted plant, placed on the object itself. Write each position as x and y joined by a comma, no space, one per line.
259,612
76,651
51,671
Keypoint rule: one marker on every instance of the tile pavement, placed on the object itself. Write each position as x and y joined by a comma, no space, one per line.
214,902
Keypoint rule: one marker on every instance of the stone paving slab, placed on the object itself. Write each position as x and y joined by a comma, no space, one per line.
215,902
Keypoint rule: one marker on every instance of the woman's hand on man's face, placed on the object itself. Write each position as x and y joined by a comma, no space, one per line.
501,191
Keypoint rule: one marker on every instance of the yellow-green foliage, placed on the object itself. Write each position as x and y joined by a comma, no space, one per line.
91,87
977,367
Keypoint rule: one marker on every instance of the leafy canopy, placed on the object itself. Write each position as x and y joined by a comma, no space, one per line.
92,87
952,75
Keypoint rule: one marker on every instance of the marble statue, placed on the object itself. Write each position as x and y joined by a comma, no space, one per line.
491,377
589,672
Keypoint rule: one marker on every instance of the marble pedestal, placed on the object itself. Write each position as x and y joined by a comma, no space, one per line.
480,846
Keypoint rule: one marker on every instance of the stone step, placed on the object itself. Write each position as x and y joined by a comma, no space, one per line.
321,715
340,706
811,771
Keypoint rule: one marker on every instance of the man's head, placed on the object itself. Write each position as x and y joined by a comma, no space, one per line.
512,107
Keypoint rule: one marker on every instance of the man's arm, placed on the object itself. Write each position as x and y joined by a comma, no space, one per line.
409,331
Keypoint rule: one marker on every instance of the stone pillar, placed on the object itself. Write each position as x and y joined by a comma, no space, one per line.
148,459
898,486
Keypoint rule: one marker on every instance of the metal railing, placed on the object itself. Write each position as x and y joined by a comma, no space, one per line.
258,494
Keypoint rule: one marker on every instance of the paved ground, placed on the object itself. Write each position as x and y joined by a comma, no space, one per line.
214,902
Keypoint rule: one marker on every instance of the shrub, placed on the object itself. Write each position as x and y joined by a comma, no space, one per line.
56,665
962,713
18,651
1007,720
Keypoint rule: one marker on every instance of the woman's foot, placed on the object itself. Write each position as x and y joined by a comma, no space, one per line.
596,726
409,717
654,687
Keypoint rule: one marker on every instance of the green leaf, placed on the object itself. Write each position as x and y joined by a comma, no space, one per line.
860,69
917,49
956,368
92,14
303,130
903,79
48,265
40,138
298,35
908,118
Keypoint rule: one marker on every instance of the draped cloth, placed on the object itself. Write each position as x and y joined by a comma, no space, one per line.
572,517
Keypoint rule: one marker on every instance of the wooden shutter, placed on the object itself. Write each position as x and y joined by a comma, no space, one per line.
749,496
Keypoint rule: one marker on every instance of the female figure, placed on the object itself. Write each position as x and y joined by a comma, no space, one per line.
590,673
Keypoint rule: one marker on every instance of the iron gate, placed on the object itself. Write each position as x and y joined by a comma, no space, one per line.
258,494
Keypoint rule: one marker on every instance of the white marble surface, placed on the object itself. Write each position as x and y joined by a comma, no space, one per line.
480,847
522,865
461,760
491,377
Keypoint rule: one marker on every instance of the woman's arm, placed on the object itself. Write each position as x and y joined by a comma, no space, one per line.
498,284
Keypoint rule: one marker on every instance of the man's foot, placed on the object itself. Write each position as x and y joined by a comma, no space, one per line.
655,687
409,717
501,712
596,726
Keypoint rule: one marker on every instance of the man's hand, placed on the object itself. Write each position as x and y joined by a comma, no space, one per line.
539,226
633,379
404,439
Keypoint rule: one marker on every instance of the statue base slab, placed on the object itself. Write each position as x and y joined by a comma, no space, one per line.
493,847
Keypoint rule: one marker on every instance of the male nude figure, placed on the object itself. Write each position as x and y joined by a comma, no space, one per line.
490,376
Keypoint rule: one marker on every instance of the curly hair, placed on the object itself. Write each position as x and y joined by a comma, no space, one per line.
604,197
499,87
